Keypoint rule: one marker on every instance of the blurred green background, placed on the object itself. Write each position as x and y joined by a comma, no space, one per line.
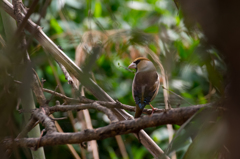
194,69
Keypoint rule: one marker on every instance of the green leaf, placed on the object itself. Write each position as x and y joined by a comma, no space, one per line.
74,3
152,29
112,153
98,9
54,24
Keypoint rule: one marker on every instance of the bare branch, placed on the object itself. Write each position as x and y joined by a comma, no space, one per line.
187,111
60,95
37,89
69,79
56,119
68,99
17,10
95,105
73,151
122,147
67,76
103,103
32,122
49,125
174,116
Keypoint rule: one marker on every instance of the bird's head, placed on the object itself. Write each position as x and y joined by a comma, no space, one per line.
142,64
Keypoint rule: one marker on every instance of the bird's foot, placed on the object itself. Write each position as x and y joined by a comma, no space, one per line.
153,110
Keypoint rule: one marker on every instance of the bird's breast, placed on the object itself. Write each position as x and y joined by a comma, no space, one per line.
145,79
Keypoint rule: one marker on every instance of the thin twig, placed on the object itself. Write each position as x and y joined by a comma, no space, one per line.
94,105
165,93
73,151
31,124
126,68
52,95
70,115
103,103
67,75
87,123
59,95
56,76
37,89
18,82
122,147
69,79
177,95
56,119
37,146
18,104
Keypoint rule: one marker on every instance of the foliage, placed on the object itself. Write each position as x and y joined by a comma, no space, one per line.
195,71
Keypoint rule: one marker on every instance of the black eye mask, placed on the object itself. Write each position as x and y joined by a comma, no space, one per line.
136,62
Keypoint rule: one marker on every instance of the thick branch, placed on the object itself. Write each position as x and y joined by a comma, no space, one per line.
40,115
17,10
23,20
176,116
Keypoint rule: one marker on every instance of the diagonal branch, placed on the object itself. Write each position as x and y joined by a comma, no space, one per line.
68,77
49,125
37,89
31,123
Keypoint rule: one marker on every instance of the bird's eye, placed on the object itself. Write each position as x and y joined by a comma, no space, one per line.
136,62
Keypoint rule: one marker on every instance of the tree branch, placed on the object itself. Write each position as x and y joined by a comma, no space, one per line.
103,103
27,128
37,89
40,115
67,76
95,105
187,112
64,108
175,116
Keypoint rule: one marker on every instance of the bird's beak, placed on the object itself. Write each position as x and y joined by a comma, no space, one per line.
132,65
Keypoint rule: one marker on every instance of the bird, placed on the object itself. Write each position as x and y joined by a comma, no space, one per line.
145,84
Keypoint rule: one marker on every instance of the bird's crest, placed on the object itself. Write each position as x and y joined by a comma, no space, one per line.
141,58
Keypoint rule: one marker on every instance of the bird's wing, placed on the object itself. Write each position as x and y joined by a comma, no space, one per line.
145,87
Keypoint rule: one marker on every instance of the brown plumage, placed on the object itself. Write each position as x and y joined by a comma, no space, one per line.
145,84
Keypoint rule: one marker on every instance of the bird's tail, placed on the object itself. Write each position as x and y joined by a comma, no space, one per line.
137,115
138,112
